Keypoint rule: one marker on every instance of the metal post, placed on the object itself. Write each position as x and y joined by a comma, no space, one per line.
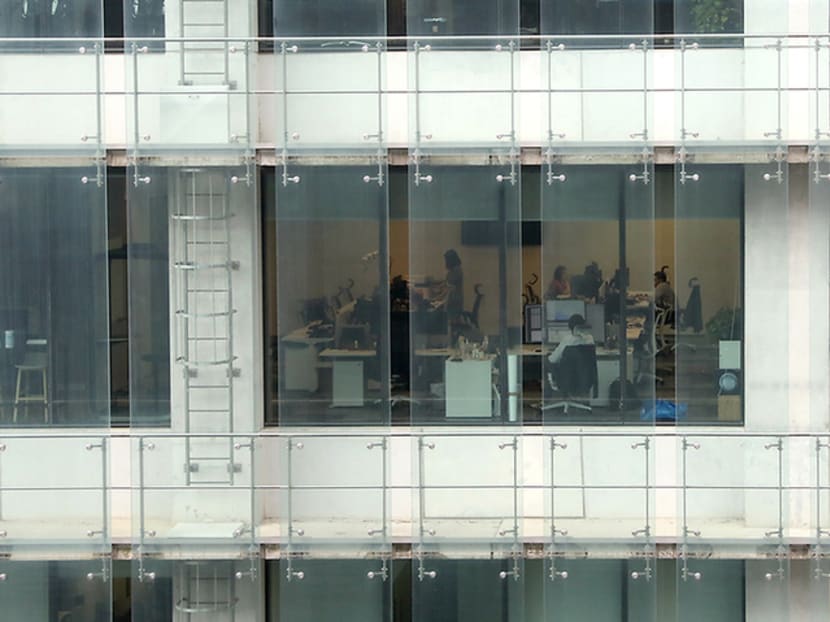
553,573
514,446
423,573
685,573
778,133
779,446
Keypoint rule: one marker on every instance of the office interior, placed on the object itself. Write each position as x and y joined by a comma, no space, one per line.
356,286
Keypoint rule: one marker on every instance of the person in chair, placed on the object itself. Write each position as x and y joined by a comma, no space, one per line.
575,337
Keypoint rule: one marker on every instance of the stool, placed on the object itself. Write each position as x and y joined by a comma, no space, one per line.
33,363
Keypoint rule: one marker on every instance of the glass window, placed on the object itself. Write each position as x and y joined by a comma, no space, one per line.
56,590
467,590
149,331
700,335
54,321
596,335
706,17
604,17
465,304
119,354
144,18
321,18
333,301
331,590
462,17
51,18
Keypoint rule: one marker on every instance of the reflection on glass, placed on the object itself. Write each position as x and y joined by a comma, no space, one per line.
462,17
468,590
725,16
595,331
330,586
321,18
464,293
51,18
148,255
207,589
333,295
56,590
606,17
701,333
53,319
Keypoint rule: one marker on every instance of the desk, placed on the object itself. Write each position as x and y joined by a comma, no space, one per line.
348,379
300,360
468,389
608,367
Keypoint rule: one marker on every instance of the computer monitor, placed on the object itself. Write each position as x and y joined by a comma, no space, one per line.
595,319
533,324
562,310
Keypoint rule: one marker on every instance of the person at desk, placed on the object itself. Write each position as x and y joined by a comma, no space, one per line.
664,297
450,293
560,286
575,337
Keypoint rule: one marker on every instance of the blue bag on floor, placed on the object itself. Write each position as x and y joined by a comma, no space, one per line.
663,410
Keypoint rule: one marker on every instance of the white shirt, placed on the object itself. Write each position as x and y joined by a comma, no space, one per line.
575,338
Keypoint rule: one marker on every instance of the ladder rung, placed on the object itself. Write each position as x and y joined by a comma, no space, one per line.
210,482
198,243
209,386
194,217
210,458
204,73
205,24
208,410
190,265
208,291
188,363
185,314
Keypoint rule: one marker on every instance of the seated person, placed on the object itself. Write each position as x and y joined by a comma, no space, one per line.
560,286
664,297
576,337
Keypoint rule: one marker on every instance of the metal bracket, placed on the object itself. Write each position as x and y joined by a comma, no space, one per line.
383,573
191,467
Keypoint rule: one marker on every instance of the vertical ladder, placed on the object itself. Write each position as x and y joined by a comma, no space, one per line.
204,62
202,270
207,591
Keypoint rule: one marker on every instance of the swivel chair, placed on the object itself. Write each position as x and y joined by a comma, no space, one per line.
577,378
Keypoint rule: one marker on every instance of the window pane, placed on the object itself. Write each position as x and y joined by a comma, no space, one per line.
55,18
604,17
462,17
596,274
320,18
465,302
332,275
703,333
55,359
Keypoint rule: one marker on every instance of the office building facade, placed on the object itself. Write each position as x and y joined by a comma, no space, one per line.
415,310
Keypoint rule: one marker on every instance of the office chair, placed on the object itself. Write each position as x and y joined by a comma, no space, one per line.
577,378
687,318
471,316
645,347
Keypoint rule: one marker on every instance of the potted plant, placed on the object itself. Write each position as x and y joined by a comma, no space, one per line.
716,16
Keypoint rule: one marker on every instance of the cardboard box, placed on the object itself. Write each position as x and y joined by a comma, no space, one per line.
729,408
